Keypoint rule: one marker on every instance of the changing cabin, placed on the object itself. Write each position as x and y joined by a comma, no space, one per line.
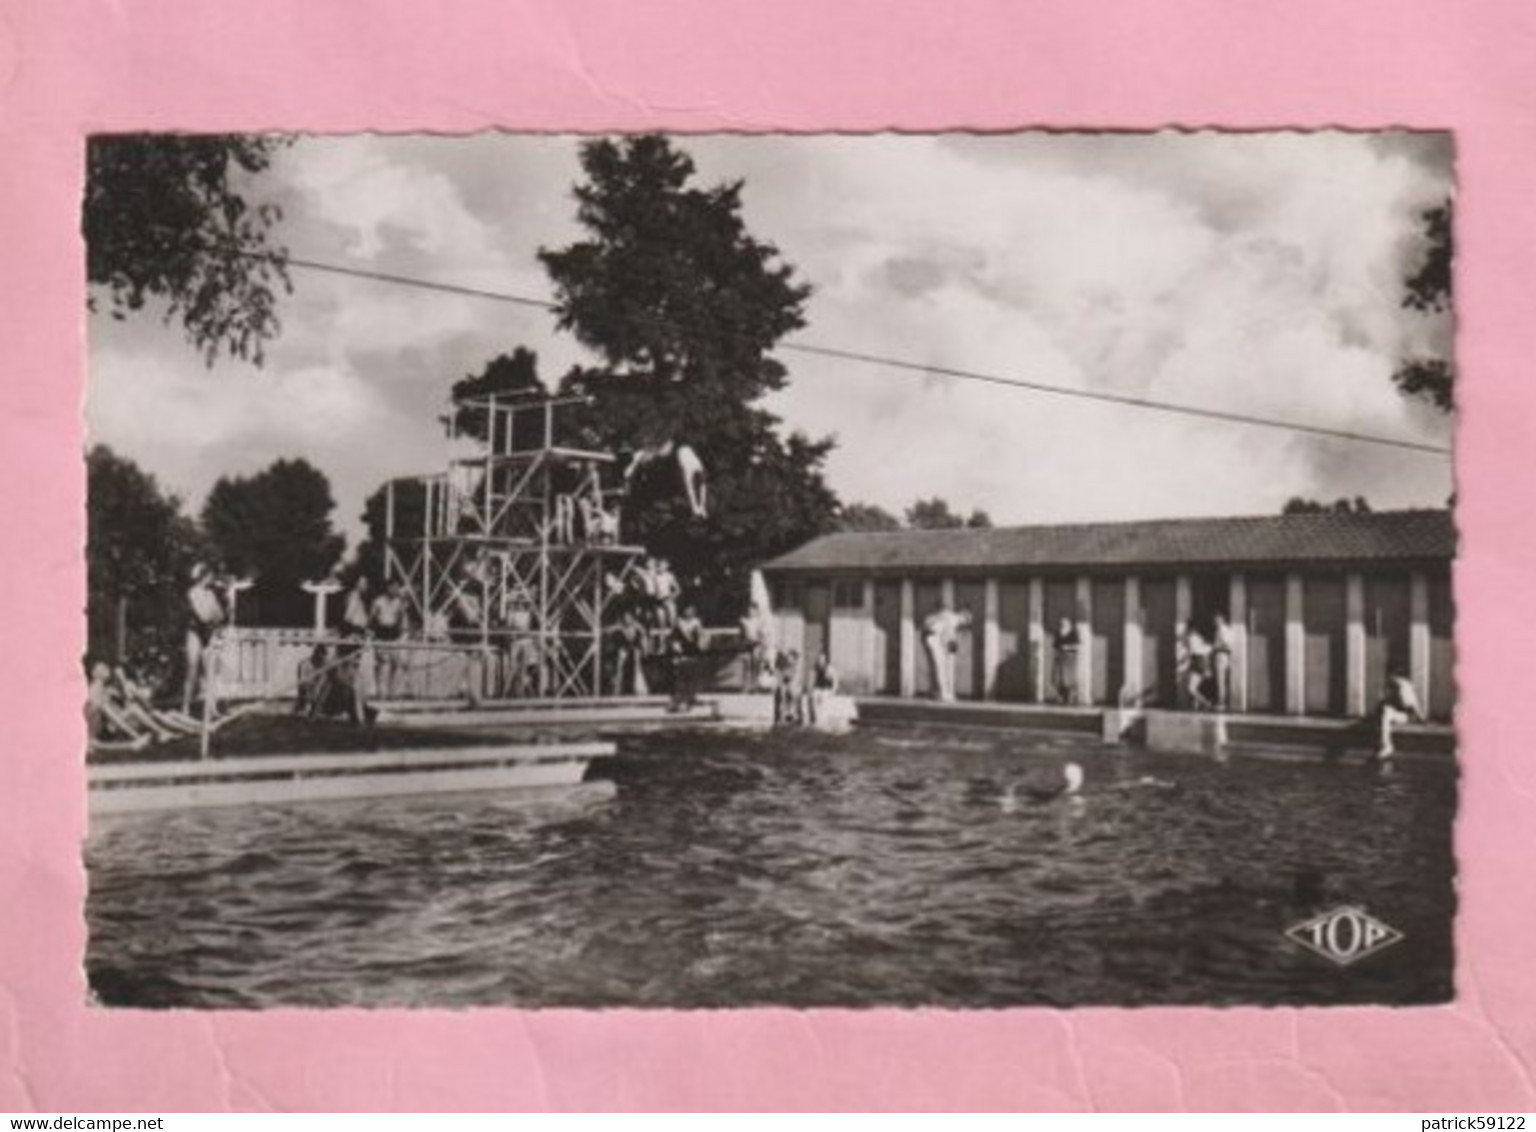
1320,606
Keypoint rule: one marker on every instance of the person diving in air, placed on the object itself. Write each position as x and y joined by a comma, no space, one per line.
689,470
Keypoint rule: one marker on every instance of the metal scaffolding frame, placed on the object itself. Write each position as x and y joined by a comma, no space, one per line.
519,550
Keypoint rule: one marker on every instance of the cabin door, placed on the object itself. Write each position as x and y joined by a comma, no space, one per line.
1108,641
1266,645
887,630
1159,656
1323,621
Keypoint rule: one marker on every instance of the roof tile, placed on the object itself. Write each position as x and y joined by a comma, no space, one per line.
1274,540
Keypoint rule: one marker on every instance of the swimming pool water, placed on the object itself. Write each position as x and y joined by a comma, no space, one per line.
733,869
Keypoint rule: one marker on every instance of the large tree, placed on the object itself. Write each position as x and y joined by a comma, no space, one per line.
1428,290
683,307
274,527
139,554
866,517
1298,505
934,515
169,217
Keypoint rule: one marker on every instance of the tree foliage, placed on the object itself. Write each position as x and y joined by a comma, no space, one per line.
1297,505
509,375
934,515
866,517
166,217
274,527
1428,290
683,306
139,553
410,519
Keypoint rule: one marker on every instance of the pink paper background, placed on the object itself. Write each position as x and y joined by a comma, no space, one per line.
68,67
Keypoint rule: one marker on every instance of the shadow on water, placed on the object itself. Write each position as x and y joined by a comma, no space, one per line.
723,869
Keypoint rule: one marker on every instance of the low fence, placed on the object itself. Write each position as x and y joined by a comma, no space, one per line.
264,664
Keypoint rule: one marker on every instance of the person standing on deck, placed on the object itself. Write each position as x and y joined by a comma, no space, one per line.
207,616
1221,659
386,621
1197,653
941,640
668,591
348,673
630,640
687,643
1065,643
522,647
754,638
786,688
823,687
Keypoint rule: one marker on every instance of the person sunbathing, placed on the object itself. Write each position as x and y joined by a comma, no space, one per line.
139,703
108,722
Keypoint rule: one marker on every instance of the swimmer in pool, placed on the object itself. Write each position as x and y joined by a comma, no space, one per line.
1071,782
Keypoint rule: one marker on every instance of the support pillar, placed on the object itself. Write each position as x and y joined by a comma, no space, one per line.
1084,603
1295,647
991,640
1183,600
1237,625
1354,645
1133,640
908,641
1037,646
1419,636
869,651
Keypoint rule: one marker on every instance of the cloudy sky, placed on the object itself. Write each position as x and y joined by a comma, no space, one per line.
1257,273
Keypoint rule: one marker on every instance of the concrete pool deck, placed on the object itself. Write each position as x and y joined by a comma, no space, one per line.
1194,732
1244,734
745,709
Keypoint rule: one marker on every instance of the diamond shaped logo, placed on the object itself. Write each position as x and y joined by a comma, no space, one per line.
1344,935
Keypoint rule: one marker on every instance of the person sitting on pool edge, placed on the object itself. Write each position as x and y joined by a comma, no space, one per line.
313,675
1399,704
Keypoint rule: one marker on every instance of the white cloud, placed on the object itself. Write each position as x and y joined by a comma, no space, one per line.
1257,273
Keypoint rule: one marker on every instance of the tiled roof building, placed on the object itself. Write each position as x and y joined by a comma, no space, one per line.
1357,539
1318,608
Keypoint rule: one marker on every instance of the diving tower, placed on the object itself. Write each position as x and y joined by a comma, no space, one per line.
515,546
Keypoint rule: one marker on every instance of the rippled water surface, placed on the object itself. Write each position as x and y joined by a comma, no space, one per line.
736,869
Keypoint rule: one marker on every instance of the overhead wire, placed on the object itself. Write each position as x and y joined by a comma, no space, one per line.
907,366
